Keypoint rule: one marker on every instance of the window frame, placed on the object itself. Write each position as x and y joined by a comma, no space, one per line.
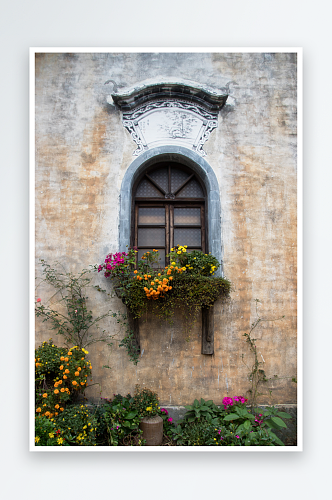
170,201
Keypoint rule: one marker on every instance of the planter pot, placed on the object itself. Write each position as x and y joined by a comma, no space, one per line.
152,428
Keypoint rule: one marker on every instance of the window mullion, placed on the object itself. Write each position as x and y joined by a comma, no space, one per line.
171,226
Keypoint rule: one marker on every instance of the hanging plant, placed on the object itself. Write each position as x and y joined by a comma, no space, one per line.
188,282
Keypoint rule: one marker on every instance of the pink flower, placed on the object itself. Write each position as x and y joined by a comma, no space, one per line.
237,436
38,300
227,402
170,420
163,410
239,399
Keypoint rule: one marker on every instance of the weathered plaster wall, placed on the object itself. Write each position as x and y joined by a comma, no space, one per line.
82,154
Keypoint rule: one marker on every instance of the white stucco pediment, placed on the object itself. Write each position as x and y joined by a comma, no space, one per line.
164,112
170,122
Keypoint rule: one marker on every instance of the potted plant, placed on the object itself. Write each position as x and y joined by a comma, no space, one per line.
146,404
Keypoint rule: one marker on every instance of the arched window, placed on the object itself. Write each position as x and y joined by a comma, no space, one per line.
168,209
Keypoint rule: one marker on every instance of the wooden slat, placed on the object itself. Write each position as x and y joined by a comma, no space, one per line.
208,330
171,226
133,324
183,184
155,184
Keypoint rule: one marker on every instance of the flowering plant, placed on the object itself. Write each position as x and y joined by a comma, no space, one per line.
60,376
187,280
196,262
146,402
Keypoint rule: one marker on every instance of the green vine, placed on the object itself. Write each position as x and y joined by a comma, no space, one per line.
257,375
188,282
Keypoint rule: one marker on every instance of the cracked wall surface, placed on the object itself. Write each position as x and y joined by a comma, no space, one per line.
82,154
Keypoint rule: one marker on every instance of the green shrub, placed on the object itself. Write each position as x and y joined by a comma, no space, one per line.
47,433
205,424
60,377
78,425
118,422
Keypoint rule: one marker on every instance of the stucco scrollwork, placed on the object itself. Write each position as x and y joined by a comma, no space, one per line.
170,122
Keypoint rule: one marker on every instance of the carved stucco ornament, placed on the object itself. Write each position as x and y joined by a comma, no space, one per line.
159,113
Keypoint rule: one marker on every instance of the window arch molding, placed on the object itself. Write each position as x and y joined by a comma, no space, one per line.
201,168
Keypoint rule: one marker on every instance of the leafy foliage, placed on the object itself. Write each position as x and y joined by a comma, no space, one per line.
70,317
187,282
61,376
205,424
78,425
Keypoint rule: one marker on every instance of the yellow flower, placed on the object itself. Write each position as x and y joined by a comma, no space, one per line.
179,253
60,440
149,408
51,435
37,439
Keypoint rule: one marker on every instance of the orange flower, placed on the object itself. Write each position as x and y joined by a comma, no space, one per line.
65,376
77,374
70,353
82,383
38,410
60,382
74,382
47,413
62,390
66,359
56,407
45,395
66,370
79,369
56,413
61,409
135,272
56,384
62,358
61,367
56,391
